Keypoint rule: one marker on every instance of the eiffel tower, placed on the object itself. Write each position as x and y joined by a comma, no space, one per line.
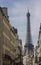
29,47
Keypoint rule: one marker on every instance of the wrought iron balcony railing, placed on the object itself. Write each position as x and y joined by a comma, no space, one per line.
36,59
39,59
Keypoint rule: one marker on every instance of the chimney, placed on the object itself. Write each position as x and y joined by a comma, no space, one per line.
5,11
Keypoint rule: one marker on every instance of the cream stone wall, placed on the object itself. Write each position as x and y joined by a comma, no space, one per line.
9,40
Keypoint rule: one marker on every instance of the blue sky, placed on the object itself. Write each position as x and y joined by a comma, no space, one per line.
17,10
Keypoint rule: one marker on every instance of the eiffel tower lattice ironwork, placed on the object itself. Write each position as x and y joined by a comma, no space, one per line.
28,45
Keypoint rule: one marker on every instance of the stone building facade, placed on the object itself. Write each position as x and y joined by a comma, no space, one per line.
28,59
25,58
38,50
9,41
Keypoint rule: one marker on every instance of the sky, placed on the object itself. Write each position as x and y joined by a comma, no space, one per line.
17,11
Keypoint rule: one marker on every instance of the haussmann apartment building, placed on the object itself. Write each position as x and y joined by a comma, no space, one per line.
9,41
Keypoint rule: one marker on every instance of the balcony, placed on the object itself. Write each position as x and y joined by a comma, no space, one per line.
5,56
36,59
39,59
7,60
